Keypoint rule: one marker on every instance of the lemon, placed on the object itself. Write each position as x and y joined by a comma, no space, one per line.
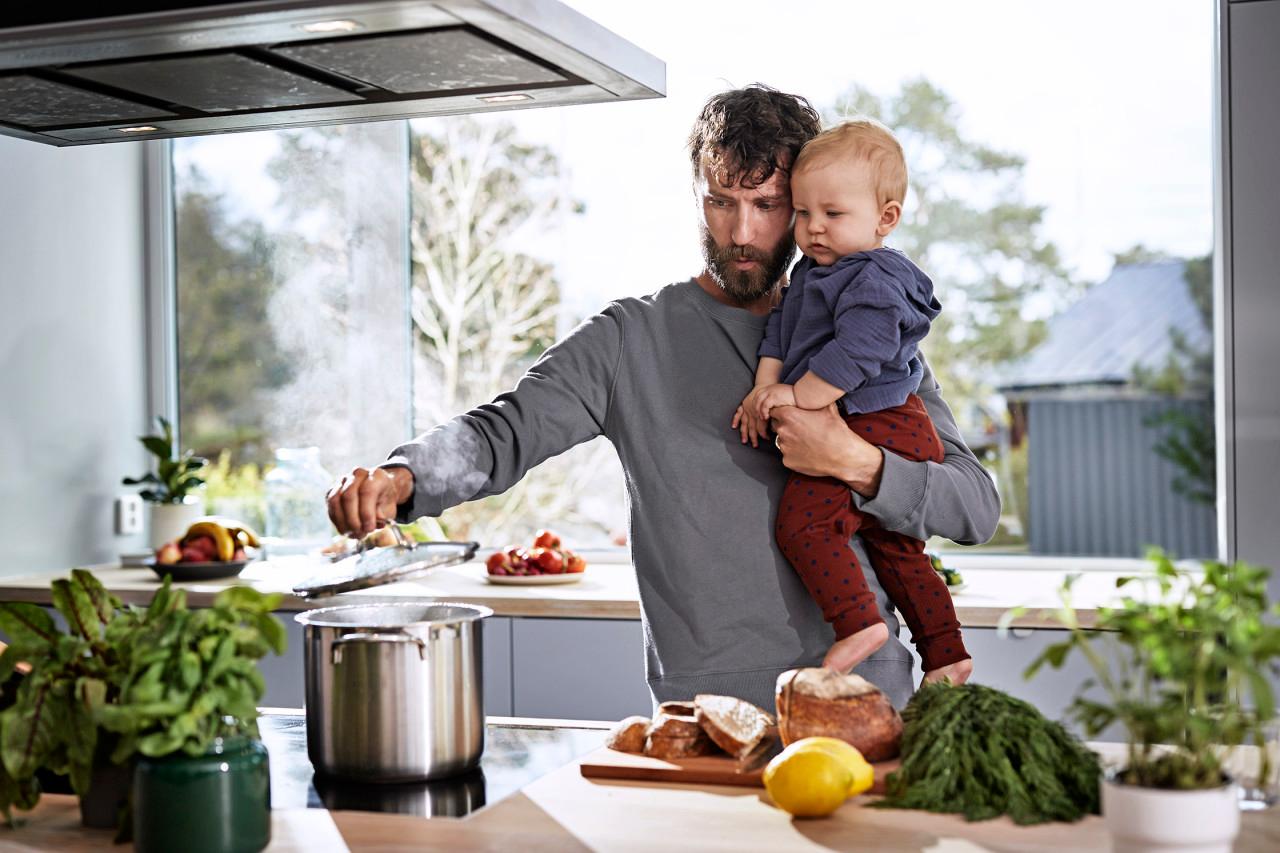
861,770
807,782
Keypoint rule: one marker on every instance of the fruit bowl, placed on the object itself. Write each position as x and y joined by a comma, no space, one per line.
198,571
532,580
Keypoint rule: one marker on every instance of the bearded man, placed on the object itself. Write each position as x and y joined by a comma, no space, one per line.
661,376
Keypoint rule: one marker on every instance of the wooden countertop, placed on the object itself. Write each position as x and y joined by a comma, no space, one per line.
565,812
606,591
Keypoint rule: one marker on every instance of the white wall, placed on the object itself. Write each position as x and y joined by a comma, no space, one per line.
72,349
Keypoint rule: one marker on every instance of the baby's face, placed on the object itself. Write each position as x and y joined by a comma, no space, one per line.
837,212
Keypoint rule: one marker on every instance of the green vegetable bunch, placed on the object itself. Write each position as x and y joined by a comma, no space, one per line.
976,751
156,680
1184,669
176,474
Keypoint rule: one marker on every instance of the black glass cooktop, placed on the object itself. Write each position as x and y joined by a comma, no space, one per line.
513,757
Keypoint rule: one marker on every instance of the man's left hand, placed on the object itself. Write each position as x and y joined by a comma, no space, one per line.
819,443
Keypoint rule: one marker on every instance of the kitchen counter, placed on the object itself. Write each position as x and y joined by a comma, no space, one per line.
564,811
606,591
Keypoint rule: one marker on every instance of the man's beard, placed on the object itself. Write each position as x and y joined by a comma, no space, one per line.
746,286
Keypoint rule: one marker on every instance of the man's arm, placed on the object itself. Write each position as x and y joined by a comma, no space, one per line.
954,498
563,400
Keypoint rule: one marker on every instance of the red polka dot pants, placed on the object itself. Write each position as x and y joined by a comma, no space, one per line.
817,517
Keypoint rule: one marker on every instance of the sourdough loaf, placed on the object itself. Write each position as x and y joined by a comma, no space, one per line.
678,709
816,701
734,724
677,736
629,735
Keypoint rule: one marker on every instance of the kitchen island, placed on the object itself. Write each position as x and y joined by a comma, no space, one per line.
563,811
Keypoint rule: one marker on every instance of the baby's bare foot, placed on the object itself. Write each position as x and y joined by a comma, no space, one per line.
845,654
956,673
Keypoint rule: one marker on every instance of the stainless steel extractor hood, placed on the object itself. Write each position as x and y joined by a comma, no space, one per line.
150,69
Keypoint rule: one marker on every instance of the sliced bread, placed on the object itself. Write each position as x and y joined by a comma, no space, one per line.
734,724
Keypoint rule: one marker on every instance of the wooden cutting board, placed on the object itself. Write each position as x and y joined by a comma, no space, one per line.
701,770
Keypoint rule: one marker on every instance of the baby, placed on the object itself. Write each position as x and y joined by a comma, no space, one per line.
846,332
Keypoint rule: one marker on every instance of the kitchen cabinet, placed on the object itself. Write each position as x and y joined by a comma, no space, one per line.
584,669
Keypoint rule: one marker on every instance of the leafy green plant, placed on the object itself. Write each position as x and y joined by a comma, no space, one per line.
155,680
176,474
976,751
1183,669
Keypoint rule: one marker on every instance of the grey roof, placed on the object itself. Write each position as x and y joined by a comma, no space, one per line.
1120,322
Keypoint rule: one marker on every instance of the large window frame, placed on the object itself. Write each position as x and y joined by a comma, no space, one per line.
162,380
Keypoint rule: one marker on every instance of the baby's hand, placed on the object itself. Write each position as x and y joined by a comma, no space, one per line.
748,423
768,397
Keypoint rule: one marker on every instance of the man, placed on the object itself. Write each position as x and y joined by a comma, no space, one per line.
660,376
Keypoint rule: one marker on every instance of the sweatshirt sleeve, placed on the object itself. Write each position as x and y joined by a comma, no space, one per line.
867,337
955,498
771,344
562,401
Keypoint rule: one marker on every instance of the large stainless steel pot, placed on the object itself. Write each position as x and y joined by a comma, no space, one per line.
394,690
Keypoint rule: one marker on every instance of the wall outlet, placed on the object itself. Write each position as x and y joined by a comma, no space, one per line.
128,515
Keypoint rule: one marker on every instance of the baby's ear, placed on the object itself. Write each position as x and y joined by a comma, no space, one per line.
890,216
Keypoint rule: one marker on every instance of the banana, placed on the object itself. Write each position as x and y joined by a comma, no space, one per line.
221,536
242,533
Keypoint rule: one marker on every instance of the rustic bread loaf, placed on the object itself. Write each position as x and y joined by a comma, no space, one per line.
675,725
629,735
677,709
816,701
678,747
734,724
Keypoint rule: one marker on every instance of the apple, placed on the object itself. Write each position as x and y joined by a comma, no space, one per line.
191,554
576,564
498,563
239,555
550,561
168,554
546,539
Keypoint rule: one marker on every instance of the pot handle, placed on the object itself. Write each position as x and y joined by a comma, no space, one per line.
336,653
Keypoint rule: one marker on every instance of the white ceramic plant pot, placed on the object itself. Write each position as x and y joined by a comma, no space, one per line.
1152,820
169,521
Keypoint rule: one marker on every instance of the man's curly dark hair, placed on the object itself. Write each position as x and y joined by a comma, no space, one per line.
746,135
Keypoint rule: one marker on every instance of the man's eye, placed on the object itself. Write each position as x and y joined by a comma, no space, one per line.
719,202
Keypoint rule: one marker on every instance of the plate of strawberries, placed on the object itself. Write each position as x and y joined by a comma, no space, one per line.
546,562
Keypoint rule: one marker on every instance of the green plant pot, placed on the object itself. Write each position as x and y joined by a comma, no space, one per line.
219,802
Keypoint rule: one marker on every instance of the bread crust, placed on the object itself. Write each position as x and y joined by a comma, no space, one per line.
673,725
735,725
818,702
678,747
677,709
629,734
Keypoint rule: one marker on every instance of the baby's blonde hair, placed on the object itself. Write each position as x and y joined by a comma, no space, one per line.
861,139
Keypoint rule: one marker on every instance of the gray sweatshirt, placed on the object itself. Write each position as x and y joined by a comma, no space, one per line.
661,376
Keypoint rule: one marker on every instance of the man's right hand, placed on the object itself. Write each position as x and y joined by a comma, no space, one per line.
362,498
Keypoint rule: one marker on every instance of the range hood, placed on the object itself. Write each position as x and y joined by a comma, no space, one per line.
151,70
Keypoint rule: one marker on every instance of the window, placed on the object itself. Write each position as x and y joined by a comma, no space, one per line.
390,275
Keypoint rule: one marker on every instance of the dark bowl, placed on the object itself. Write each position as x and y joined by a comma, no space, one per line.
198,571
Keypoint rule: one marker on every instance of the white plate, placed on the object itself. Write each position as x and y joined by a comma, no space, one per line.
533,580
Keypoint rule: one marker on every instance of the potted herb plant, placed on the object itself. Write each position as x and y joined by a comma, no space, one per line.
1184,670
163,688
171,488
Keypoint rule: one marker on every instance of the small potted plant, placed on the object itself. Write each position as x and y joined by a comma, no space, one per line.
171,487
1184,670
170,691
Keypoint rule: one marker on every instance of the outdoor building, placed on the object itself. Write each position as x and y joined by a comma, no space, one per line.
1115,409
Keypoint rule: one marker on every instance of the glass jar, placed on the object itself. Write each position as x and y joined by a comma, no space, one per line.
297,517
218,802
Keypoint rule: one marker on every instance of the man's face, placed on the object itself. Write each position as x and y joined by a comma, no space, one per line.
746,234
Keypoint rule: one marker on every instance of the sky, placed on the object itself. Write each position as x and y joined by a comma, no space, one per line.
1109,101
